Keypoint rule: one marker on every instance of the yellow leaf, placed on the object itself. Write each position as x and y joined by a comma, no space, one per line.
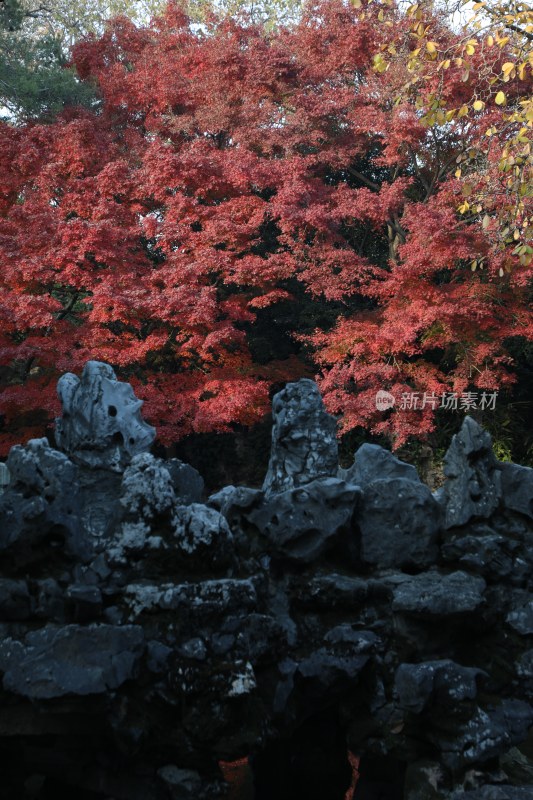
463,111
473,266
490,40
380,65
500,99
431,47
486,221
500,272
508,67
457,173
470,49
478,105
357,3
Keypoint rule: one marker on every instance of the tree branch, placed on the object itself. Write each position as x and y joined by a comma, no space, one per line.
363,179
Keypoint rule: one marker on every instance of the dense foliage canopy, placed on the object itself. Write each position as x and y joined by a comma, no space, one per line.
247,206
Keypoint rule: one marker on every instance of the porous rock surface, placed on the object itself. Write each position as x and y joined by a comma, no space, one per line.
101,424
149,634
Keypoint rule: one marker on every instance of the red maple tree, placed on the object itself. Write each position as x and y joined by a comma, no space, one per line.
230,172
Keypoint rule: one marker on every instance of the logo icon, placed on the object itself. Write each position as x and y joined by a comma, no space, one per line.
384,400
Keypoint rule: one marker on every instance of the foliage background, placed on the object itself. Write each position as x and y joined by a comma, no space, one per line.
396,260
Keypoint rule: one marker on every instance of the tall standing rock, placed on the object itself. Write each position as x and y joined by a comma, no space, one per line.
101,426
473,486
304,443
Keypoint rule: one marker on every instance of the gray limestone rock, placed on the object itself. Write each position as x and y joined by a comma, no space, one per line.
521,619
233,500
199,601
374,463
147,488
101,425
502,792
399,520
85,601
487,733
349,638
158,656
236,503
442,682
425,780
434,594
332,592
524,665
517,766
489,554
473,487
202,534
20,517
194,649
517,488
325,671
4,477
187,481
304,444
317,679
316,607
100,509
43,494
130,539
183,784
41,470
73,659
302,523
259,638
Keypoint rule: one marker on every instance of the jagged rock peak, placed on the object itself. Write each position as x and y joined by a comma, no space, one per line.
473,486
304,443
101,425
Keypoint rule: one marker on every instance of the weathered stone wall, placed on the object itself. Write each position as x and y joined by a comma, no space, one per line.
148,632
